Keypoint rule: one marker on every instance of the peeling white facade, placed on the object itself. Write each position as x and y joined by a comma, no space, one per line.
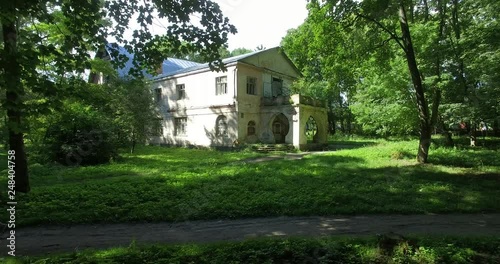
248,103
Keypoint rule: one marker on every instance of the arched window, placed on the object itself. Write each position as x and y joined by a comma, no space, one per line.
221,126
311,128
251,128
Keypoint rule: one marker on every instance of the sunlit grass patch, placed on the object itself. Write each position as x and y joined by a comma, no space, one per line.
177,184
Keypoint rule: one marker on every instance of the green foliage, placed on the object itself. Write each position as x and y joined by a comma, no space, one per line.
48,44
351,52
292,250
223,51
177,184
93,122
383,103
240,51
132,106
80,135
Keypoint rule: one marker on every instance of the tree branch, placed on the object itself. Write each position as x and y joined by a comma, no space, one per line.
383,43
380,25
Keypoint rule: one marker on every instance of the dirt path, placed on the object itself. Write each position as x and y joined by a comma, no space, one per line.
42,240
287,156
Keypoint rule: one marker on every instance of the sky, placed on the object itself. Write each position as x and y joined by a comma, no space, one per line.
259,22
262,22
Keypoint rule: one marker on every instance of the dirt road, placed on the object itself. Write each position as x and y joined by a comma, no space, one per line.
43,240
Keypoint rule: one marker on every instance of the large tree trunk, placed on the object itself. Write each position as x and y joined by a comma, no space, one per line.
14,104
423,109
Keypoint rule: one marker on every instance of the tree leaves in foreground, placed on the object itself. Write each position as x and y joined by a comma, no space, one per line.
46,42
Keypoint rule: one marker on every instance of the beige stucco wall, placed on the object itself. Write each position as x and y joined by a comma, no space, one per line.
200,90
201,107
320,116
274,60
249,106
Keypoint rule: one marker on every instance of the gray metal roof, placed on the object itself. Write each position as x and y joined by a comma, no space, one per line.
206,66
172,66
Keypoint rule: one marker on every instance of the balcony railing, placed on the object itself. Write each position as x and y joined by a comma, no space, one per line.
277,100
294,99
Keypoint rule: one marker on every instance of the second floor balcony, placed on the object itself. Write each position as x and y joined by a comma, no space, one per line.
295,99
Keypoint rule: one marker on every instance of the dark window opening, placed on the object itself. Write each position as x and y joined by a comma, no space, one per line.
251,128
181,91
180,126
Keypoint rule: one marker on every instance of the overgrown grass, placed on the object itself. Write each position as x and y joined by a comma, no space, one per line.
297,250
176,184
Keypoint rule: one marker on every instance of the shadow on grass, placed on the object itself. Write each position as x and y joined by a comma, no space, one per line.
465,158
464,142
315,185
347,144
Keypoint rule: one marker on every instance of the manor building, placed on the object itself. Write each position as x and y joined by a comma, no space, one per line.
250,102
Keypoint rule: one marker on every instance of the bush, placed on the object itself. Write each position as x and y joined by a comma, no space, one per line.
80,135
92,122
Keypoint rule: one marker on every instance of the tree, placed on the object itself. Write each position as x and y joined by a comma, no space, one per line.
379,22
31,63
133,110
224,53
260,47
323,53
240,51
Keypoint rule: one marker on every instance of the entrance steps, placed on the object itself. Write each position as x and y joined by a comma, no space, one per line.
273,148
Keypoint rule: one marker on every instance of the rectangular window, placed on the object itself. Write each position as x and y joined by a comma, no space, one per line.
277,87
221,85
181,91
157,95
180,125
251,85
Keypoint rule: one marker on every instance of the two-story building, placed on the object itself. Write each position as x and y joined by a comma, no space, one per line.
248,103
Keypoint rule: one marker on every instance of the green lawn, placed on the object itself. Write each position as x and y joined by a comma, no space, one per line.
176,184
296,250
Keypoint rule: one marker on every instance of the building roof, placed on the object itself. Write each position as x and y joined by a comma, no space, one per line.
169,65
173,66
206,65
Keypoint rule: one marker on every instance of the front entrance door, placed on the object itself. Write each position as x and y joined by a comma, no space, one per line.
280,128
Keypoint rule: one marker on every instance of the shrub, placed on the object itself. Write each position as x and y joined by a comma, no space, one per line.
80,135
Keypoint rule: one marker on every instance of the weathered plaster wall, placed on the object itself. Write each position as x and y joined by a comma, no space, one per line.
199,89
320,116
201,106
200,128
250,106
274,60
